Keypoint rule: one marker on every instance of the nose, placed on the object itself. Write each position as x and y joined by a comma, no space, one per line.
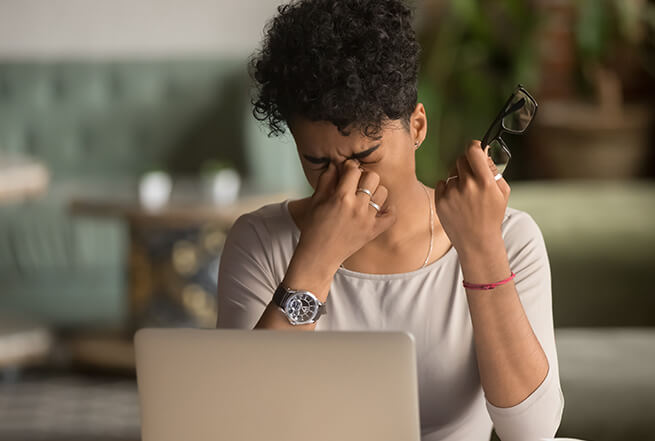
343,164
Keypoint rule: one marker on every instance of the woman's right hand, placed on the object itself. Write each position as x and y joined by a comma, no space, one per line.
340,219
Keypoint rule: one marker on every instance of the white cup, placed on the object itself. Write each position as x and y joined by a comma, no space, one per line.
223,186
155,189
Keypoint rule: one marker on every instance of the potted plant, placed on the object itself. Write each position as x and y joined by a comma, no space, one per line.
221,181
473,54
601,131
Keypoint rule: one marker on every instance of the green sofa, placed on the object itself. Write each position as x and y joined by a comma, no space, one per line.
600,238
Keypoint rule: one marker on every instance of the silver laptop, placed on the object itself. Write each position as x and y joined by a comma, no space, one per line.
241,385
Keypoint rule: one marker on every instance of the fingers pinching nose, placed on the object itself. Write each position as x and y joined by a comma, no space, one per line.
358,165
355,163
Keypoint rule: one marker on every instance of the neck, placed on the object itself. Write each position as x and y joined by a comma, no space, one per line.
412,216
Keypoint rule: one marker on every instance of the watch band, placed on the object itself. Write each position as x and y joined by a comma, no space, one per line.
281,295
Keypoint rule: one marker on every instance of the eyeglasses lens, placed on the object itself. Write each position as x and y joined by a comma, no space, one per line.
520,112
499,154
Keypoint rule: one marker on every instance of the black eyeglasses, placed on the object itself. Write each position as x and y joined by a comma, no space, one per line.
514,117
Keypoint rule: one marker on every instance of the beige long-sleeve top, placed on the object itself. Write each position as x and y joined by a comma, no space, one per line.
429,302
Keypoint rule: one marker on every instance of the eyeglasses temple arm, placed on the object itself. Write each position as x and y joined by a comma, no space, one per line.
500,115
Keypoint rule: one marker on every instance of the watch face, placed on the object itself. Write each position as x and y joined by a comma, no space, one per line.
302,307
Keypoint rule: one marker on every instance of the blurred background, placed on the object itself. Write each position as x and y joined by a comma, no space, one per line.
127,149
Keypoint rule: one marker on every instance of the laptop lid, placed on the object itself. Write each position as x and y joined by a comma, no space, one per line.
243,385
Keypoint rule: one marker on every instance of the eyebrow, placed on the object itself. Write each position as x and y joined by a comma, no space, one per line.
355,155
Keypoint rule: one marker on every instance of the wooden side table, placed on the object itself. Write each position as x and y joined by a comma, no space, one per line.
172,265
173,254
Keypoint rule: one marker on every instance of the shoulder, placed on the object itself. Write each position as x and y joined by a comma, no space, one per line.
263,216
518,224
261,240
524,240
264,225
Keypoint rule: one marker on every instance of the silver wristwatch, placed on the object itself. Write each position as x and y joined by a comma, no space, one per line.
301,307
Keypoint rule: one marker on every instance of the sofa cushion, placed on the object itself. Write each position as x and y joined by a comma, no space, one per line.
608,381
600,238
102,118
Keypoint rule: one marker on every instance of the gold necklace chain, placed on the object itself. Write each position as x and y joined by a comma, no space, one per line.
431,226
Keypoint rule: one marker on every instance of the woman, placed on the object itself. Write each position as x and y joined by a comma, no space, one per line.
380,249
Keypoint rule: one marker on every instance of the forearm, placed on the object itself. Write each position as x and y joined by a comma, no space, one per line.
303,273
511,361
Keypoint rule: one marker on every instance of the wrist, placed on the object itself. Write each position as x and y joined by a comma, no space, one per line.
300,282
488,263
318,261
306,273
316,253
482,250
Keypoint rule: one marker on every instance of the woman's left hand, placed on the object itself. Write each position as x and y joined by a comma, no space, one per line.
471,206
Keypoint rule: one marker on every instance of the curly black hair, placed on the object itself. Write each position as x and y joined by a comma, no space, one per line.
351,62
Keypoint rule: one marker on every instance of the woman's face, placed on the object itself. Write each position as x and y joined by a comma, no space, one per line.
390,154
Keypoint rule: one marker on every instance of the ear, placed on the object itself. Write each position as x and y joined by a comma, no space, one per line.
418,124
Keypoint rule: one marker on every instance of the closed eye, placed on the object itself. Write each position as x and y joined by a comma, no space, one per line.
361,162
359,155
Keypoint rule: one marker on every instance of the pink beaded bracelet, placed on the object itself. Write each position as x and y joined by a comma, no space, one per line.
487,285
